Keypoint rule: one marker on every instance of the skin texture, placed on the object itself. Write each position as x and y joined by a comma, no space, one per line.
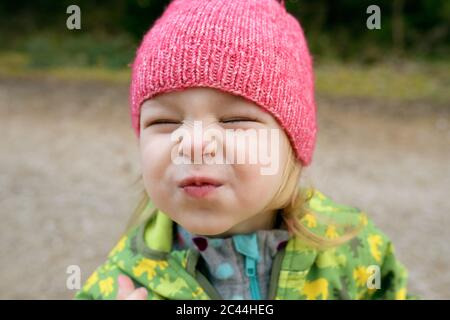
237,205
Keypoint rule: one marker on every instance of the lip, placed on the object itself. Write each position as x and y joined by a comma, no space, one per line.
198,181
199,187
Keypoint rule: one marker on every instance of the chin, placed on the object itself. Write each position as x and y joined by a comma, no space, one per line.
204,228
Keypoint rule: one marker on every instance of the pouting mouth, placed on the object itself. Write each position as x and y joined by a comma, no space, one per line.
199,181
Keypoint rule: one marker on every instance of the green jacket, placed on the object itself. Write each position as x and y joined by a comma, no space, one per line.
299,272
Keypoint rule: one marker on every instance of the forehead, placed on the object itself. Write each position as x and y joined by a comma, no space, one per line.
204,98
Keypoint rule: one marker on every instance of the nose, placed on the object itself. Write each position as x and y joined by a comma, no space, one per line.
197,143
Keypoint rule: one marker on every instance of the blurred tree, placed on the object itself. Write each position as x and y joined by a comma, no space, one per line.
335,29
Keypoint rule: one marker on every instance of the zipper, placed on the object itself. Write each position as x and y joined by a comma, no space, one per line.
247,245
250,271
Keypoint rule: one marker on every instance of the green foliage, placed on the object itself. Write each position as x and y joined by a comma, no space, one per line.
46,50
111,30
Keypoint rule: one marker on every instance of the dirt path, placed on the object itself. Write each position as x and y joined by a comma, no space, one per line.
69,159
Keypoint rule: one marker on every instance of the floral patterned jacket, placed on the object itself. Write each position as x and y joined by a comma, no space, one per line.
364,267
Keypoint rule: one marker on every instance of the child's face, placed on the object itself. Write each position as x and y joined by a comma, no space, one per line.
235,203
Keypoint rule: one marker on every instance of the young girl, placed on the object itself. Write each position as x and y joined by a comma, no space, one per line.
213,224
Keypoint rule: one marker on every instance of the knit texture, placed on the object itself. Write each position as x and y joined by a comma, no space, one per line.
251,48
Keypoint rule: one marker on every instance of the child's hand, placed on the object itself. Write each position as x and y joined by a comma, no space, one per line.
127,292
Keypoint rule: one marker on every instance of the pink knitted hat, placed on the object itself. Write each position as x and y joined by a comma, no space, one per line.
251,48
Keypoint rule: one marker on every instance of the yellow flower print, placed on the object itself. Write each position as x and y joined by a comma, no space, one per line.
320,203
331,232
119,246
184,261
149,266
106,286
319,194
375,241
199,291
310,220
363,219
400,294
106,267
316,288
360,275
91,281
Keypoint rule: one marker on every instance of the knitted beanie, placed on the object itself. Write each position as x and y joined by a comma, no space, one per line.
251,48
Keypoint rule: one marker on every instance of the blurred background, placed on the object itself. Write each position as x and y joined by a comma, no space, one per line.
69,158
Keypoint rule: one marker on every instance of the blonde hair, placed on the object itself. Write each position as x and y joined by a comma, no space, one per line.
290,201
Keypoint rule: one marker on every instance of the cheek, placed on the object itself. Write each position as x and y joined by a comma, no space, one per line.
154,164
257,183
254,189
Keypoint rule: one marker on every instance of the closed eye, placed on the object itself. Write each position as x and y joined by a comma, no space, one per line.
161,122
232,120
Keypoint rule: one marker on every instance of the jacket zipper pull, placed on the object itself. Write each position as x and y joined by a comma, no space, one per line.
247,245
250,271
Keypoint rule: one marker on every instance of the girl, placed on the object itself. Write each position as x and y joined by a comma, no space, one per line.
222,102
